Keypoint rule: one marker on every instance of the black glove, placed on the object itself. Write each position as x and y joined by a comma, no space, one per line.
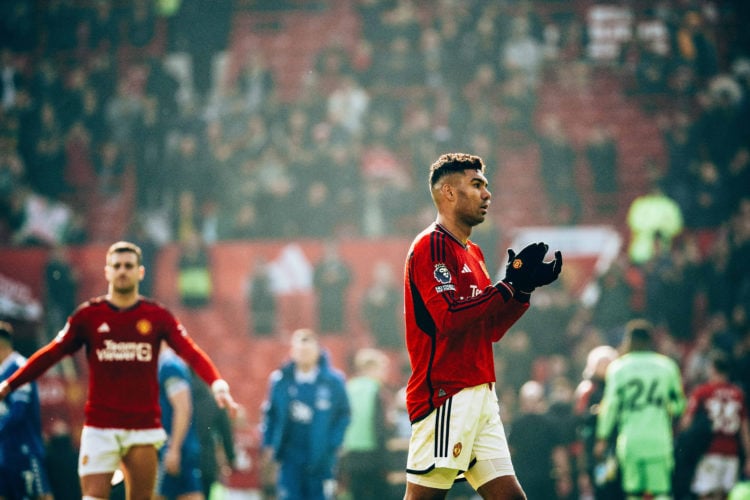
520,272
547,272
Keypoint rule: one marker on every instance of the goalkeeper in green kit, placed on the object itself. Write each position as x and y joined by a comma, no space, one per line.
643,395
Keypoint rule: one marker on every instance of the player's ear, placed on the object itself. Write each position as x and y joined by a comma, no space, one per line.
447,190
141,272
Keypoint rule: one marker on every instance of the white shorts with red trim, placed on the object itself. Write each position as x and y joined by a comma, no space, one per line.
102,449
464,430
715,473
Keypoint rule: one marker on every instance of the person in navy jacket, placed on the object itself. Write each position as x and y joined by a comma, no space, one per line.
304,420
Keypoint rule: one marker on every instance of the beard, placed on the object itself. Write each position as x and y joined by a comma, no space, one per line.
473,220
124,289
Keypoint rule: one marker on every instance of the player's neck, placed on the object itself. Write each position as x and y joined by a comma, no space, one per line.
122,300
459,231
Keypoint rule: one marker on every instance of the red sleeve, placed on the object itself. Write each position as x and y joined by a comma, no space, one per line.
66,342
179,340
451,314
507,317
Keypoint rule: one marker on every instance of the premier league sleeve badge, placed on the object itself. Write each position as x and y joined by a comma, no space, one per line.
443,277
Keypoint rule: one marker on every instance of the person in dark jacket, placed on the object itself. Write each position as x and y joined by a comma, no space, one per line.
588,395
215,434
304,420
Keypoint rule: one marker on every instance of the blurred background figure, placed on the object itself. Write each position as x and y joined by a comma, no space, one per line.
539,457
194,272
261,300
214,429
61,289
364,456
61,461
588,396
244,482
331,278
654,220
305,416
22,464
643,396
179,459
717,414
381,308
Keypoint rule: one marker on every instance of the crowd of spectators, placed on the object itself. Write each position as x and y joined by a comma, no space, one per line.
88,99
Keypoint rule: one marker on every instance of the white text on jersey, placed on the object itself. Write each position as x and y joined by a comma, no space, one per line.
125,351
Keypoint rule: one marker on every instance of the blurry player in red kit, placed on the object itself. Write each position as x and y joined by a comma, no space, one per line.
454,314
721,407
122,333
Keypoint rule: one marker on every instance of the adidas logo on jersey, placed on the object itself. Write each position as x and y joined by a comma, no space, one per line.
103,328
465,269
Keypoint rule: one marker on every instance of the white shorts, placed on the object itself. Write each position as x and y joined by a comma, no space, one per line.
464,435
715,473
102,449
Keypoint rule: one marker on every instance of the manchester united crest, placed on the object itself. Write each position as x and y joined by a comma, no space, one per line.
144,326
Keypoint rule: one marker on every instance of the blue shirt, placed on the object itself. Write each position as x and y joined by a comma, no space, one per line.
301,410
20,417
173,370
329,416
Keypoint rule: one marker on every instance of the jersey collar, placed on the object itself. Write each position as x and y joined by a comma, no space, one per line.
443,229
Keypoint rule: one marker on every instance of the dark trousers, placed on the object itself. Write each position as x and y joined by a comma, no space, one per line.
296,483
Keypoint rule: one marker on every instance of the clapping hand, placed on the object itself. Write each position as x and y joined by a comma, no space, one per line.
527,270
547,272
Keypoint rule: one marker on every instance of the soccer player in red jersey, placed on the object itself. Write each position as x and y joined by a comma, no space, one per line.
122,333
722,407
454,314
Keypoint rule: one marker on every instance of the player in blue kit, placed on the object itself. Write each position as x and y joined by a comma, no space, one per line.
22,472
179,460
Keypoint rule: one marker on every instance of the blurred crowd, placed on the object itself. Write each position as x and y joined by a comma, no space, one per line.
97,99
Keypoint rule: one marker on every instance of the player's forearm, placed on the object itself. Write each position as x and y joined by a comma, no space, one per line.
507,317
453,316
182,413
36,365
198,360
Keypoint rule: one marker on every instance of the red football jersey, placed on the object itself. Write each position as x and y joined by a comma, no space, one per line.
453,315
724,403
122,349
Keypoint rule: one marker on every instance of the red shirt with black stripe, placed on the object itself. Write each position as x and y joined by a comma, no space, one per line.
122,349
453,315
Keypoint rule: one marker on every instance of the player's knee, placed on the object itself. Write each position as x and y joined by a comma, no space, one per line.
495,479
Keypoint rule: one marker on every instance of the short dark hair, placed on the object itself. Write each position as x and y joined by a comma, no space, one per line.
6,331
450,163
639,332
720,362
123,247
